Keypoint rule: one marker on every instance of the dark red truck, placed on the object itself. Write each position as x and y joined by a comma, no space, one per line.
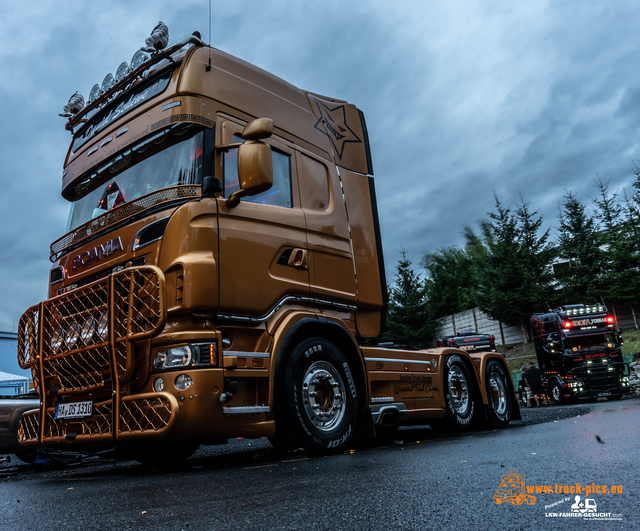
469,341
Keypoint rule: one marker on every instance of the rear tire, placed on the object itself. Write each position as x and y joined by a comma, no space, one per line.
458,395
319,406
499,395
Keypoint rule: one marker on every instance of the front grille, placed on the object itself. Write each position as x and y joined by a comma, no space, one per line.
83,342
601,377
140,414
29,427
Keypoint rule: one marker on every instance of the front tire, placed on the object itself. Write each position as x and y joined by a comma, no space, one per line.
458,395
28,455
556,394
614,397
522,397
319,410
498,394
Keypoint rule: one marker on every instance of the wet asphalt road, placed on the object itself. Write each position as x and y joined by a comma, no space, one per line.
422,480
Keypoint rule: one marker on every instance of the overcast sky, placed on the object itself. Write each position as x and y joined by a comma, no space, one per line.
461,98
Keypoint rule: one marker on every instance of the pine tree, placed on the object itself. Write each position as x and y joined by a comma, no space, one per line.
578,246
449,286
513,265
622,261
407,319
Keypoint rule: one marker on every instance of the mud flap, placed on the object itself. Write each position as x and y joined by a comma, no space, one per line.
365,428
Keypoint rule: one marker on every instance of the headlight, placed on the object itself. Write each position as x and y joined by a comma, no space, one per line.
73,333
103,326
88,328
172,358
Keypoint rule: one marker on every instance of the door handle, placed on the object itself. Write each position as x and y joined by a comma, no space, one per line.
298,258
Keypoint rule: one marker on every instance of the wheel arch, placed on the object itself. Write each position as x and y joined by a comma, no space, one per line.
309,325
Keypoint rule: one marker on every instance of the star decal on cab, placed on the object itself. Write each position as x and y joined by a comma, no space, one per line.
335,122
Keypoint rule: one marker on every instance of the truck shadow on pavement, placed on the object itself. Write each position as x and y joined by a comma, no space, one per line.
246,453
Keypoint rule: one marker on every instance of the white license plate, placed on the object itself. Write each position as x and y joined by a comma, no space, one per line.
74,410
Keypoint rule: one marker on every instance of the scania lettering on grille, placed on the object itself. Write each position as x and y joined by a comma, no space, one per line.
106,249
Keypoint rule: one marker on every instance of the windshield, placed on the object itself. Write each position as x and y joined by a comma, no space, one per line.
143,169
587,343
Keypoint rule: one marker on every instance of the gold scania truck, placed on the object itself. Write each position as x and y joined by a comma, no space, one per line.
222,257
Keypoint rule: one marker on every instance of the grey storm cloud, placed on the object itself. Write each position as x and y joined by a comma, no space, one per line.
462,99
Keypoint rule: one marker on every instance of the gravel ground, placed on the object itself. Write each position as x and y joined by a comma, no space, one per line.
240,452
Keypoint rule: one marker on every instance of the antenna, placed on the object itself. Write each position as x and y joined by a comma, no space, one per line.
548,306
209,67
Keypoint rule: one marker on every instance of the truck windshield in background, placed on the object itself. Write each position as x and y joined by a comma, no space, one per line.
157,163
592,342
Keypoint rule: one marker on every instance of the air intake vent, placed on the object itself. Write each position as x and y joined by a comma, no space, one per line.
57,274
151,233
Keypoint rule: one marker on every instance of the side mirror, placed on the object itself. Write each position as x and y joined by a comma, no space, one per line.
255,169
258,129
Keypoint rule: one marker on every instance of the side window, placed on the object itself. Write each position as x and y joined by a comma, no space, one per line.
278,195
314,184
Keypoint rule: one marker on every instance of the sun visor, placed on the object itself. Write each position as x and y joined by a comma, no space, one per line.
345,126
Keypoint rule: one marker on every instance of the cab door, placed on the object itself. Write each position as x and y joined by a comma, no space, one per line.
263,242
331,267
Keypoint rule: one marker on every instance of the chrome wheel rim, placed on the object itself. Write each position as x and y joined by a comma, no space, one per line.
458,390
556,393
323,395
498,393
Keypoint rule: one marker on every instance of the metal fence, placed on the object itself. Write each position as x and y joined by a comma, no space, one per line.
475,320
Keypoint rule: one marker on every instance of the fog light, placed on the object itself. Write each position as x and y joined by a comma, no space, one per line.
158,385
183,382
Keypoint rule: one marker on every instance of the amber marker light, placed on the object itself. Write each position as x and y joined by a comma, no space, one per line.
258,363
379,366
212,354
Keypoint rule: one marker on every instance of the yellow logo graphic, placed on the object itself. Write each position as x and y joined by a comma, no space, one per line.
512,490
